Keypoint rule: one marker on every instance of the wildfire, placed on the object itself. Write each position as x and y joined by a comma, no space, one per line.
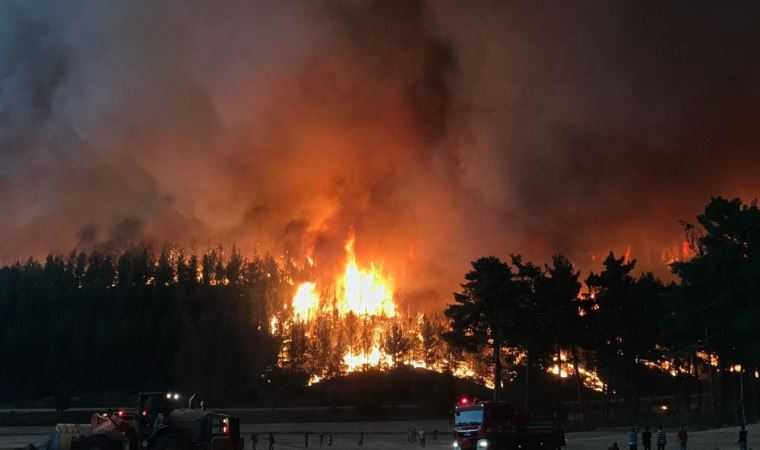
677,253
305,301
708,357
667,366
359,290
564,369
358,304
374,358
364,291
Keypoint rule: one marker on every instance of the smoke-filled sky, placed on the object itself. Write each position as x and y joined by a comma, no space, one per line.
440,131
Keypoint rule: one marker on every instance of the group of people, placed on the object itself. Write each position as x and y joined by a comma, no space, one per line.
419,436
661,439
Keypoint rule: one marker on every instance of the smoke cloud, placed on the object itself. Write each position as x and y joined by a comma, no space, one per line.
439,131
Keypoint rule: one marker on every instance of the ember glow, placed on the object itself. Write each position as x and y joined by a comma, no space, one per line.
564,369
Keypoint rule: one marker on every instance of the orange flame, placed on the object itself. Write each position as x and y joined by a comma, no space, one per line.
363,291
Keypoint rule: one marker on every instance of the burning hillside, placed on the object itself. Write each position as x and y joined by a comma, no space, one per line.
353,311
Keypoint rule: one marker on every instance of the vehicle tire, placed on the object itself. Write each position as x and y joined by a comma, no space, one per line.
99,442
168,442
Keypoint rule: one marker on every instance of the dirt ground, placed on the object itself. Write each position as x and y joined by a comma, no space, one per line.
392,435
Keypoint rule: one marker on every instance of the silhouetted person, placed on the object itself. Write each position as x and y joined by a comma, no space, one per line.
321,439
646,439
306,440
435,434
254,440
361,440
271,441
614,446
633,439
742,442
662,441
682,438
422,438
329,440
203,405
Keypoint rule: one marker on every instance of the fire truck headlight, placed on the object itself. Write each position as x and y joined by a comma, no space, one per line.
455,444
482,443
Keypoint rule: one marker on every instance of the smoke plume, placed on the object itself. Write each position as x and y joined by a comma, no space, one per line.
439,131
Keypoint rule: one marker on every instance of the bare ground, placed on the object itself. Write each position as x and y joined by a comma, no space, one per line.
391,435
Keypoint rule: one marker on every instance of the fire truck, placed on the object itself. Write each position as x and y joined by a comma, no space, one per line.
497,425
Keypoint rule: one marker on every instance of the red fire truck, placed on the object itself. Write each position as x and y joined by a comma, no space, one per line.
491,425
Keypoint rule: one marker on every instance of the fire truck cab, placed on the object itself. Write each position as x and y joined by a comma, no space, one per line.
491,425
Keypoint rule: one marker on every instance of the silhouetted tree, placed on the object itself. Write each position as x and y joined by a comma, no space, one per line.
486,312
396,344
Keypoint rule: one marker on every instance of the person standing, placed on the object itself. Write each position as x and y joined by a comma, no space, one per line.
321,439
646,439
633,439
329,440
742,438
682,438
662,441
422,438
361,439
254,440
271,441
306,440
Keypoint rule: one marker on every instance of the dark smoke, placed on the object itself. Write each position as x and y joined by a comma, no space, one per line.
440,131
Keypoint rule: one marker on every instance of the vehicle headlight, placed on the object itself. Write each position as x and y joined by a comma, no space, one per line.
455,444
482,443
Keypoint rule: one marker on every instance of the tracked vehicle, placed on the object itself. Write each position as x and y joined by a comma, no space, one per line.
157,423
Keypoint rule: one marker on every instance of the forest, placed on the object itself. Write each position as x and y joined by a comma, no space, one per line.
137,318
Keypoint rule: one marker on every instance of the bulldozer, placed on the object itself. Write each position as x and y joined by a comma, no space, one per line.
157,423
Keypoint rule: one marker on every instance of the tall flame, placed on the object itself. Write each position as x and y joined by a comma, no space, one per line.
364,291
305,301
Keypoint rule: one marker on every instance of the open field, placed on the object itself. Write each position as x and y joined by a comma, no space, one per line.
391,435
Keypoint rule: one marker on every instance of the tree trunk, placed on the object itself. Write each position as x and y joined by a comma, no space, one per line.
636,393
496,370
607,393
741,397
527,377
753,395
679,385
578,385
712,383
699,385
